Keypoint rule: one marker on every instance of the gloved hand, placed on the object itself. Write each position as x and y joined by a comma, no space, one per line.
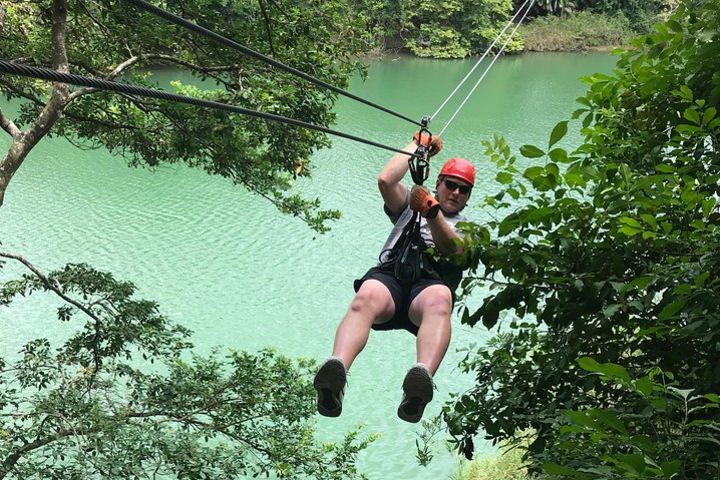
433,143
421,200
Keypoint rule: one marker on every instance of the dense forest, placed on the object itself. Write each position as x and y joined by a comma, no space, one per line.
458,28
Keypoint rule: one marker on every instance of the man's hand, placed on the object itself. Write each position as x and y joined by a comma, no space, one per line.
421,200
433,143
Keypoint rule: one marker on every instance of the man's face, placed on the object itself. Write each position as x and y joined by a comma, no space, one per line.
452,193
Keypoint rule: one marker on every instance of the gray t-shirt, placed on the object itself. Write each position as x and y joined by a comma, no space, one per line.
451,274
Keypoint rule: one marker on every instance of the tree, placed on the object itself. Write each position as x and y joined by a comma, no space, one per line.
457,28
92,408
608,252
124,397
112,40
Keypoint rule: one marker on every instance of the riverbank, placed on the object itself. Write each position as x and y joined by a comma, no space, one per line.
579,32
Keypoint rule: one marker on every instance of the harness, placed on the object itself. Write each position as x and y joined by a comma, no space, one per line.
407,257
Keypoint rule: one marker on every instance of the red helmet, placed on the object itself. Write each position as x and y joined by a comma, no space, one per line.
460,168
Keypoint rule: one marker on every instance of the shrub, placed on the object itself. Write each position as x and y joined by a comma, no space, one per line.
576,32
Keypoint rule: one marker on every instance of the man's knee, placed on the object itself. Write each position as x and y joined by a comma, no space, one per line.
435,300
373,297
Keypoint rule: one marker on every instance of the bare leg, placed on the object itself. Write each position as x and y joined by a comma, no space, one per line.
372,303
431,310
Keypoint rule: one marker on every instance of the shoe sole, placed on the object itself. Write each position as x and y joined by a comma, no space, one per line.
329,383
418,389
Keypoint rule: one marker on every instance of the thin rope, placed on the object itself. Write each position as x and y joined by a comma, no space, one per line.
497,55
477,64
72,79
247,51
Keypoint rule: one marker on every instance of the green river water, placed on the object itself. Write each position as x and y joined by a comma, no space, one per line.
226,264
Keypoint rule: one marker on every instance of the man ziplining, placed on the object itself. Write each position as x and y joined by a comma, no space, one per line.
386,299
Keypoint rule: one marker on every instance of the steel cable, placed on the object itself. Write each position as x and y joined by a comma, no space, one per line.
72,79
247,51
497,55
477,64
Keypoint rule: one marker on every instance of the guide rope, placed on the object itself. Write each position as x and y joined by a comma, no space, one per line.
477,64
79,80
497,55
247,51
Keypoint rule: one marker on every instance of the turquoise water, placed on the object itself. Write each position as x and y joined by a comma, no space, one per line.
224,262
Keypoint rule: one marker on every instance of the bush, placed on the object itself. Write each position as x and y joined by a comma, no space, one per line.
507,464
609,251
577,32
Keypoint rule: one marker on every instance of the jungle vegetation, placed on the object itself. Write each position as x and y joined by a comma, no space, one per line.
603,267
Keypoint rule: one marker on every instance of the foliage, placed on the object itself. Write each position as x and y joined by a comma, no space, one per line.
385,20
112,40
626,447
610,251
576,31
456,28
506,464
642,14
93,407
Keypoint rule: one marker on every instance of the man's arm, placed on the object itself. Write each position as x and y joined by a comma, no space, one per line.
445,236
393,191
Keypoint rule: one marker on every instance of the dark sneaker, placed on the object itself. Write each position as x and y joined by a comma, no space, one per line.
330,385
417,392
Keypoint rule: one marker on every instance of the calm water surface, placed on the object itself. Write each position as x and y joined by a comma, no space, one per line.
224,262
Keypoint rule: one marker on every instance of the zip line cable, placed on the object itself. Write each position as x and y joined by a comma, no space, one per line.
72,79
497,55
477,64
171,17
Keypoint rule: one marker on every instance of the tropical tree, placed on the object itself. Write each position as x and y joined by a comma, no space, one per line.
113,40
124,398
456,28
610,253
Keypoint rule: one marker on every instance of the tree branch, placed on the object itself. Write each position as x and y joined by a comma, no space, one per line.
8,125
132,61
50,286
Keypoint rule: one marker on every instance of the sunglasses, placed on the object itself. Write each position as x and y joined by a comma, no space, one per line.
463,189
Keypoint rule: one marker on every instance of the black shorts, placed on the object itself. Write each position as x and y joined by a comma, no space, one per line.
402,296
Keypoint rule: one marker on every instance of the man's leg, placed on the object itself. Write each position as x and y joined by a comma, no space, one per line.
431,310
372,303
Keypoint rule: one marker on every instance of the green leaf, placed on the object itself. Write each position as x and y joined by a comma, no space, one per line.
531,151
709,115
610,370
671,468
611,310
580,418
558,133
532,172
672,309
555,469
630,222
559,155
609,419
504,178
644,386
649,219
635,461
629,231
589,364
692,115
686,93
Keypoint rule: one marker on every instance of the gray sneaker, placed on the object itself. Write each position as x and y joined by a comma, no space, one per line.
330,385
417,392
